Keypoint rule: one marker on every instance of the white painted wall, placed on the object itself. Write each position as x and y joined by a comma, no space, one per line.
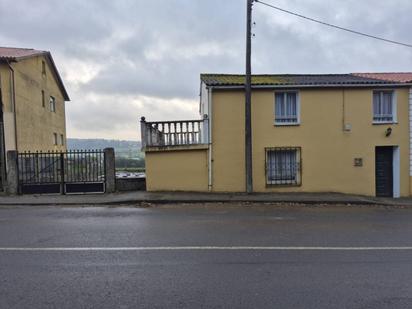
9,134
204,100
396,172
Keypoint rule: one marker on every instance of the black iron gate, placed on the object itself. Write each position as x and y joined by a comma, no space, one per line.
69,172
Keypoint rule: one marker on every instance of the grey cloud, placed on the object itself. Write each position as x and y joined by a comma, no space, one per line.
158,48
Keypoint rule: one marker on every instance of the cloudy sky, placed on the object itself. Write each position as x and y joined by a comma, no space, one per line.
124,59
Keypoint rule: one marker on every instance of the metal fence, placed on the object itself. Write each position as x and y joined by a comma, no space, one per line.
76,171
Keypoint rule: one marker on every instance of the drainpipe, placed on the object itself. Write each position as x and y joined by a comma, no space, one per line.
210,151
410,135
2,141
13,98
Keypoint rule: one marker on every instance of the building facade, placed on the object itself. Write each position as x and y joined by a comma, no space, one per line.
347,133
32,97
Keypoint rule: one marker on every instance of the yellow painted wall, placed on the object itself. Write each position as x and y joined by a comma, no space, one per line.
228,141
183,170
35,123
327,151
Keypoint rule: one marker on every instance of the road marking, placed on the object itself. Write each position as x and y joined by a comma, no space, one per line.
206,248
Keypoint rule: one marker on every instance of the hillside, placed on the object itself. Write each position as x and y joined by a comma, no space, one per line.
127,149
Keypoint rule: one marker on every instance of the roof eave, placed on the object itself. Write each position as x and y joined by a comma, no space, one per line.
52,63
311,86
58,77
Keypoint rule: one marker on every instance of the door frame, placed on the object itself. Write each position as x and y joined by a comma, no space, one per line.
396,174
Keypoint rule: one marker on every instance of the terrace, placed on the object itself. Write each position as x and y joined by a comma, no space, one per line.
174,135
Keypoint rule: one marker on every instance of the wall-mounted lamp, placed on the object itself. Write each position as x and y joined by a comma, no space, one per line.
388,132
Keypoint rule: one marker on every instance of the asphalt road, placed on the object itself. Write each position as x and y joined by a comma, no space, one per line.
206,257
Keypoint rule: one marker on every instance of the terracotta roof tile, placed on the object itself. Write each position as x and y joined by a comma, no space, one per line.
401,77
11,53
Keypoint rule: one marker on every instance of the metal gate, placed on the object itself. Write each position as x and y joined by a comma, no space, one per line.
69,172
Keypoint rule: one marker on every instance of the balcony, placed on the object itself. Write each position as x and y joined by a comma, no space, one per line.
169,135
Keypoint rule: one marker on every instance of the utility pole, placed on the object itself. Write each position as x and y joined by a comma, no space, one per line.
248,100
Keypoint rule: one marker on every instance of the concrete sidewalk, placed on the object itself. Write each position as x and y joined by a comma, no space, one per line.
139,197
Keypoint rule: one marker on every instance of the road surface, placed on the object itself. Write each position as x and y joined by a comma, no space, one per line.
207,256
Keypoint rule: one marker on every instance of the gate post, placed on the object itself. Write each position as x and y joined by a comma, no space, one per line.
110,170
12,172
62,180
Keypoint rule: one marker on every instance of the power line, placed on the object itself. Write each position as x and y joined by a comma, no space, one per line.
333,26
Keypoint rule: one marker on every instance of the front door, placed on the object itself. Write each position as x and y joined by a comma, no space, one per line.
384,171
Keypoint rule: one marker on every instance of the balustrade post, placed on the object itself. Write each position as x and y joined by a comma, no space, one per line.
174,133
143,132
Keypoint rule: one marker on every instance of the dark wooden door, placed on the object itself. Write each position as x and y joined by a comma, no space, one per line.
384,171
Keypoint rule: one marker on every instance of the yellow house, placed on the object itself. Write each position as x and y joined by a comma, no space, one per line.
32,97
347,133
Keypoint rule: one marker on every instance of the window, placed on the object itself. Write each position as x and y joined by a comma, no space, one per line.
283,166
55,139
286,108
43,68
384,108
52,104
61,139
43,99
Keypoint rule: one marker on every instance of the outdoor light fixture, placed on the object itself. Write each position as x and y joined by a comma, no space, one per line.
388,132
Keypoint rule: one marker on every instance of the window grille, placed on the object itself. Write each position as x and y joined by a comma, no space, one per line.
283,166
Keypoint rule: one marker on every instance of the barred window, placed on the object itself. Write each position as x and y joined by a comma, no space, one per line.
283,166
383,106
286,108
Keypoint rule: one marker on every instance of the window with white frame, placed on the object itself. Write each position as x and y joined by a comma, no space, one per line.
286,108
283,166
384,108
52,104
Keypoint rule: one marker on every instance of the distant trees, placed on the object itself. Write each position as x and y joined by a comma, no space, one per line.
127,153
123,162
98,143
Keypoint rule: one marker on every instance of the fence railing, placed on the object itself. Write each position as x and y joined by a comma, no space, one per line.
58,167
174,133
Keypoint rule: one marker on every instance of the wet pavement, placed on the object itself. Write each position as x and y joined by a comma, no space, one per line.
206,256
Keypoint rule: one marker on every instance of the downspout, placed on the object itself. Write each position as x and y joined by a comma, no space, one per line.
2,141
210,151
343,111
410,139
13,98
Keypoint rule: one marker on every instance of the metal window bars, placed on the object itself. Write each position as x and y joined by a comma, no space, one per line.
283,166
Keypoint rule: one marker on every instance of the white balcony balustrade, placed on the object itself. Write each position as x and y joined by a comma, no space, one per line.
174,133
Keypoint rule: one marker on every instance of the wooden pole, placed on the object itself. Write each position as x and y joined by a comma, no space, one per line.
248,100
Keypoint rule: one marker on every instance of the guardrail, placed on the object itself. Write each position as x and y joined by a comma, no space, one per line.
174,133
